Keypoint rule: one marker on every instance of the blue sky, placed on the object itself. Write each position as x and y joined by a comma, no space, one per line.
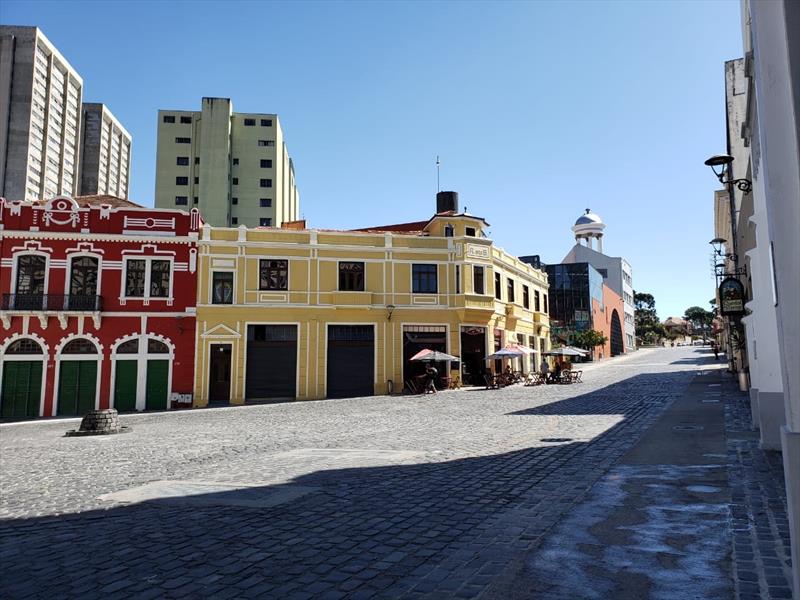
537,109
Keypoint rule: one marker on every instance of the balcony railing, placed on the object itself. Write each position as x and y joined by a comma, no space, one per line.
52,302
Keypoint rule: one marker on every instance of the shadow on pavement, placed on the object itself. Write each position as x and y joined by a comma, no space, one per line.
433,529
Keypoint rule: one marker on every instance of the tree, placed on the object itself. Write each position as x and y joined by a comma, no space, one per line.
648,328
588,339
700,318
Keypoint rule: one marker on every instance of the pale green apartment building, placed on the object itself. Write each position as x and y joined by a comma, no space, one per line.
234,167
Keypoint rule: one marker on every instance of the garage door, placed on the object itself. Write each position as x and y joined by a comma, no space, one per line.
271,362
22,388
351,361
77,387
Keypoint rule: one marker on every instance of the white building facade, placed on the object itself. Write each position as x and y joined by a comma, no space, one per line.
763,113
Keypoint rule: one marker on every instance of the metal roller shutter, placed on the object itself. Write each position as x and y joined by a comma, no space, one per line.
271,362
351,361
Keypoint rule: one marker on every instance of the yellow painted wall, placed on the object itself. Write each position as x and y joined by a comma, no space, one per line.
313,300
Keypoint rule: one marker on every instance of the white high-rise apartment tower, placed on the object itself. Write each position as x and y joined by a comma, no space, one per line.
234,167
40,117
50,142
106,158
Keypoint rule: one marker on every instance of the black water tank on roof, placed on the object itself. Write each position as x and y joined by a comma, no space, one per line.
446,201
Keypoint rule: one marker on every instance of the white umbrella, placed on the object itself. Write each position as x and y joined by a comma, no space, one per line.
505,353
564,352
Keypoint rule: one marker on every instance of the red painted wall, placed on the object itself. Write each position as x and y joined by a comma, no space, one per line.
60,229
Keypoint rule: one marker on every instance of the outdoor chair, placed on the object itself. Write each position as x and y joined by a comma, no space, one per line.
492,382
575,376
411,387
534,379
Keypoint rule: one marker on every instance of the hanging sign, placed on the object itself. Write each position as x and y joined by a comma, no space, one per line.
731,295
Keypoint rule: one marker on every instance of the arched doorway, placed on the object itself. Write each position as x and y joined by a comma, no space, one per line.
617,343
77,377
22,366
142,374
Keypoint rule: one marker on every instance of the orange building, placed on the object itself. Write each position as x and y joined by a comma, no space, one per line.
606,320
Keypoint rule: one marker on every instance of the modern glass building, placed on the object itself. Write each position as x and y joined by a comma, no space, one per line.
572,289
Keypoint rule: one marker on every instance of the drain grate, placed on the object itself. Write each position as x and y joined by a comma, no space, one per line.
688,428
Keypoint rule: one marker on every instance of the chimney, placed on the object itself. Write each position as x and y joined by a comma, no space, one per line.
446,201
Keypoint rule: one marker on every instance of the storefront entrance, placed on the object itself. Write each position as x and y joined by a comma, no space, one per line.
420,337
219,376
473,354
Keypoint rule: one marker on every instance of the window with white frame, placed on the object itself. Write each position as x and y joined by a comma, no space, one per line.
147,278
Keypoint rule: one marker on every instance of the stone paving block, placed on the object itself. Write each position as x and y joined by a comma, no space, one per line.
478,489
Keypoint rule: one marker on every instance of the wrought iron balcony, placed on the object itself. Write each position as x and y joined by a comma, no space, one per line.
52,302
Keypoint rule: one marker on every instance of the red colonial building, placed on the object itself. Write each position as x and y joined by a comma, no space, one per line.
98,306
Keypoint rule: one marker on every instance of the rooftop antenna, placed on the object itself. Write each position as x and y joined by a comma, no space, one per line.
438,163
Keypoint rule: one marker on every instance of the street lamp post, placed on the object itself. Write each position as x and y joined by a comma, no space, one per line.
721,166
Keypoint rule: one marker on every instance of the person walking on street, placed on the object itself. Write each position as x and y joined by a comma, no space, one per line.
544,369
715,348
431,372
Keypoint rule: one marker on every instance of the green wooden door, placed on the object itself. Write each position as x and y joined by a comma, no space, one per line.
77,387
156,391
22,388
125,378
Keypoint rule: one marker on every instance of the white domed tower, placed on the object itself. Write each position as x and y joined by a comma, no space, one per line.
588,227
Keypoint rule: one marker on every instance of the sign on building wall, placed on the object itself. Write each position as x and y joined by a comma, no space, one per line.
732,298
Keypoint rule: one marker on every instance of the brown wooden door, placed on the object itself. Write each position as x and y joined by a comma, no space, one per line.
219,391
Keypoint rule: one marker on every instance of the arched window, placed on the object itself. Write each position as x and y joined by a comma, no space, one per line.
156,347
129,347
79,346
24,346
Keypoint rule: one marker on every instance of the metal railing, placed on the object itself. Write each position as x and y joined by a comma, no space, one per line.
52,302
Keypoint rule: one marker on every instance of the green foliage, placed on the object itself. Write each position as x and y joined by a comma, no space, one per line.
588,339
648,328
700,318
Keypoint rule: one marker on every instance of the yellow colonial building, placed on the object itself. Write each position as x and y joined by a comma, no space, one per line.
293,313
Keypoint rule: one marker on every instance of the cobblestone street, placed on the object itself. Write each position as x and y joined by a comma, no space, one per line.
425,496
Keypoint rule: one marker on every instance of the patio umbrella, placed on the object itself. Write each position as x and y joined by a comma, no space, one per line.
581,350
564,352
505,353
433,355
520,348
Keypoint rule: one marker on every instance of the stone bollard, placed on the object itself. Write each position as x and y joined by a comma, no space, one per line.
100,422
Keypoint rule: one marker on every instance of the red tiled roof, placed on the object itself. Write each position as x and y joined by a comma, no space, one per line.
413,227
98,199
